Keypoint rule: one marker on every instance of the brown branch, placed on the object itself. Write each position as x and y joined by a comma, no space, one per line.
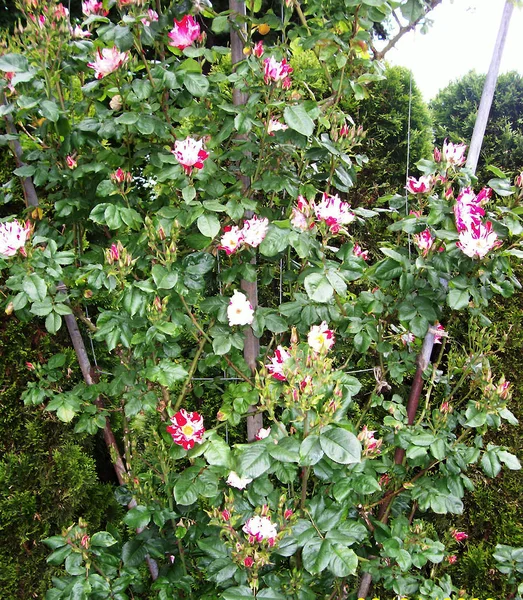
379,55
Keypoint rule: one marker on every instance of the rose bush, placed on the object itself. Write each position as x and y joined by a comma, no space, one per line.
160,196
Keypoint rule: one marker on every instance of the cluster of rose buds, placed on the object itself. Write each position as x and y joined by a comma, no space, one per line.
107,61
358,251
186,428
184,33
240,310
371,446
119,255
476,238
251,234
190,154
121,177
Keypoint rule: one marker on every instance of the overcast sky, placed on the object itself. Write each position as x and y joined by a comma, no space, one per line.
461,38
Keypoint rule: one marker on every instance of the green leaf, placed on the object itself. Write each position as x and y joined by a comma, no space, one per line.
510,460
42,309
298,119
53,322
58,556
103,539
318,287
270,594
14,63
35,287
166,373
458,299
138,517
253,459
196,84
310,450
286,450
50,110
316,555
209,225
134,552
340,445
276,240
163,278
343,562
241,592
490,463
185,491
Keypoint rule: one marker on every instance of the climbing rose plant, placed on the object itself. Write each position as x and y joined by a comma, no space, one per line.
160,203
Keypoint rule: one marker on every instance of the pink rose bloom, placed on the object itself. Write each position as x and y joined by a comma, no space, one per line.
78,33
259,529
231,240
477,241
320,338
93,7
240,310
503,389
107,61
263,433
452,559
334,212
71,162
407,338
370,444
152,17
258,49
454,154
438,336
190,154
459,536
275,367
240,483
120,176
419,186
468,209
277,72
186,429
301,214
254,231
358,251
275,125
13,237
424,241
184,32
344,131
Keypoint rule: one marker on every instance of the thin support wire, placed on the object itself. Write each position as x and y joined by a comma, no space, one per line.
408,156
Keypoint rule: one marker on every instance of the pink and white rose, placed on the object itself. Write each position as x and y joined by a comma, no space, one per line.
240,483
240,310
93,7
334,212
254,230
231,239
419,186
275,367
454,154
259,529
275,125
478,240
184,32
320,338
13,237
107,61
276,71
186,428
190,154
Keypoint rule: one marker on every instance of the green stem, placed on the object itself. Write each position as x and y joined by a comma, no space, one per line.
190,375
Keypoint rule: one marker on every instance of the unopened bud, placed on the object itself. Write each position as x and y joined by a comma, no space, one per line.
9,308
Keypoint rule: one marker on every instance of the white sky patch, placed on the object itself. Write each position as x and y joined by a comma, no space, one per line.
461,38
